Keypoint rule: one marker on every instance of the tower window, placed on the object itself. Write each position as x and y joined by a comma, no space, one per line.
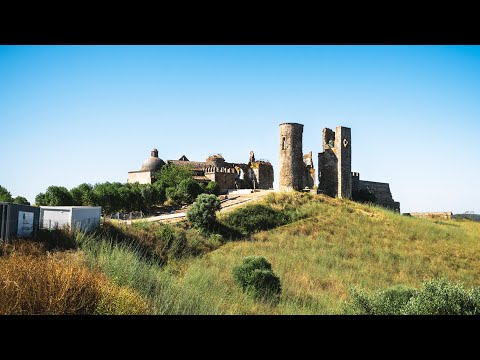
284,140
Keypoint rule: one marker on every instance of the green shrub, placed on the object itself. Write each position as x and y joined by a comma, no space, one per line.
202,214
212,188
387,302
436,297
172,242
254,218
257,279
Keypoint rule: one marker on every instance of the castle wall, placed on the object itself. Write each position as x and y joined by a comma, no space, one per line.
328,165
291,157
263,175
309,171
382,193
142,177
343,151
224,177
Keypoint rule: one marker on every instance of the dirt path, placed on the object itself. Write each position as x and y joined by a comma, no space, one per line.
230,204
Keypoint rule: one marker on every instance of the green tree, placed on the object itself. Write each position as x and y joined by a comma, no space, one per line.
202,214
106,196
212,188
5,195
171,175
41,200
58,196
20,200
83,195
185,192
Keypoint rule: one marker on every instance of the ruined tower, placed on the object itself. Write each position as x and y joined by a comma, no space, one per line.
291,157
335,163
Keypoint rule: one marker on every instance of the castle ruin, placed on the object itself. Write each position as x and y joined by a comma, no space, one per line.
335,176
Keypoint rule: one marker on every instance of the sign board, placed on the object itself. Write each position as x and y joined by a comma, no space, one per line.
25,224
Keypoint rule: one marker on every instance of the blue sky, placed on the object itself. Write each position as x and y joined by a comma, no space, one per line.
74,114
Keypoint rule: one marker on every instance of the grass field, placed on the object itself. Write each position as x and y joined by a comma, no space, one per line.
320,248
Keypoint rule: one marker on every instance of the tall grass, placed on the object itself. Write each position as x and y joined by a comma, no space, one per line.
33,281
127,266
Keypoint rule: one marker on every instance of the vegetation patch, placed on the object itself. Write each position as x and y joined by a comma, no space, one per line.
257,279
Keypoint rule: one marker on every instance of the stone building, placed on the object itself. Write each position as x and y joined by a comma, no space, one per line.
149,167
334,163
335,177
292,168
254,174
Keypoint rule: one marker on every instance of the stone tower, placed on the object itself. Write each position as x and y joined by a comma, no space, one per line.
335,163
291,157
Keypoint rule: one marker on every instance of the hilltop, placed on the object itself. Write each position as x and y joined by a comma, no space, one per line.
320,248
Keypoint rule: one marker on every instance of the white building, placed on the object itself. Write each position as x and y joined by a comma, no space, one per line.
84,218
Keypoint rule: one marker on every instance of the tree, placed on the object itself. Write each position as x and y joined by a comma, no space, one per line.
41,200
20,200
171,175
185,192
83,195
202,214
58,196
212,188
106,196
5,195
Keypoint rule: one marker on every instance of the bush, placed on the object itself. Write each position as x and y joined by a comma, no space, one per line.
254,218
257,279
436,297
212,188
202,214
185,192
171,242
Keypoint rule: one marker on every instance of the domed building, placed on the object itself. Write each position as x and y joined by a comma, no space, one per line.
148,169
255,174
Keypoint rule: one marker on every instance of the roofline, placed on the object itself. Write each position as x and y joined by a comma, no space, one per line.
289,123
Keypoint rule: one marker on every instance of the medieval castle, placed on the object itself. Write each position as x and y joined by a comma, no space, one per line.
335,177
297,172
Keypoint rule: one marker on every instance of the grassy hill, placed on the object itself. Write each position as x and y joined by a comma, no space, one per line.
320,248
338,245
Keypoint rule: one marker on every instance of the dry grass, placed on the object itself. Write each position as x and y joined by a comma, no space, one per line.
339,244
35,282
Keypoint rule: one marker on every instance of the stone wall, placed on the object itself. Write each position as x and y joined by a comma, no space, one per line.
142,177
309,171
263,175
343,150
225,177
291,157
328,165
382,193
433,215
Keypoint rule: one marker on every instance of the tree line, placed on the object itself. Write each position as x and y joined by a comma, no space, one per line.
173,185
6,196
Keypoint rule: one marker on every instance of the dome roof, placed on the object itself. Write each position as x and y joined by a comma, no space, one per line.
153,163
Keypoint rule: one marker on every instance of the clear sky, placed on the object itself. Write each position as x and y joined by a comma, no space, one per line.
74,114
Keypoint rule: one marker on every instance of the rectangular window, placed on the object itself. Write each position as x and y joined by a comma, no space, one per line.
283,142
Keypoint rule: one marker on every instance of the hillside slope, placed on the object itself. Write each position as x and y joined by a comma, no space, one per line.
338,245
